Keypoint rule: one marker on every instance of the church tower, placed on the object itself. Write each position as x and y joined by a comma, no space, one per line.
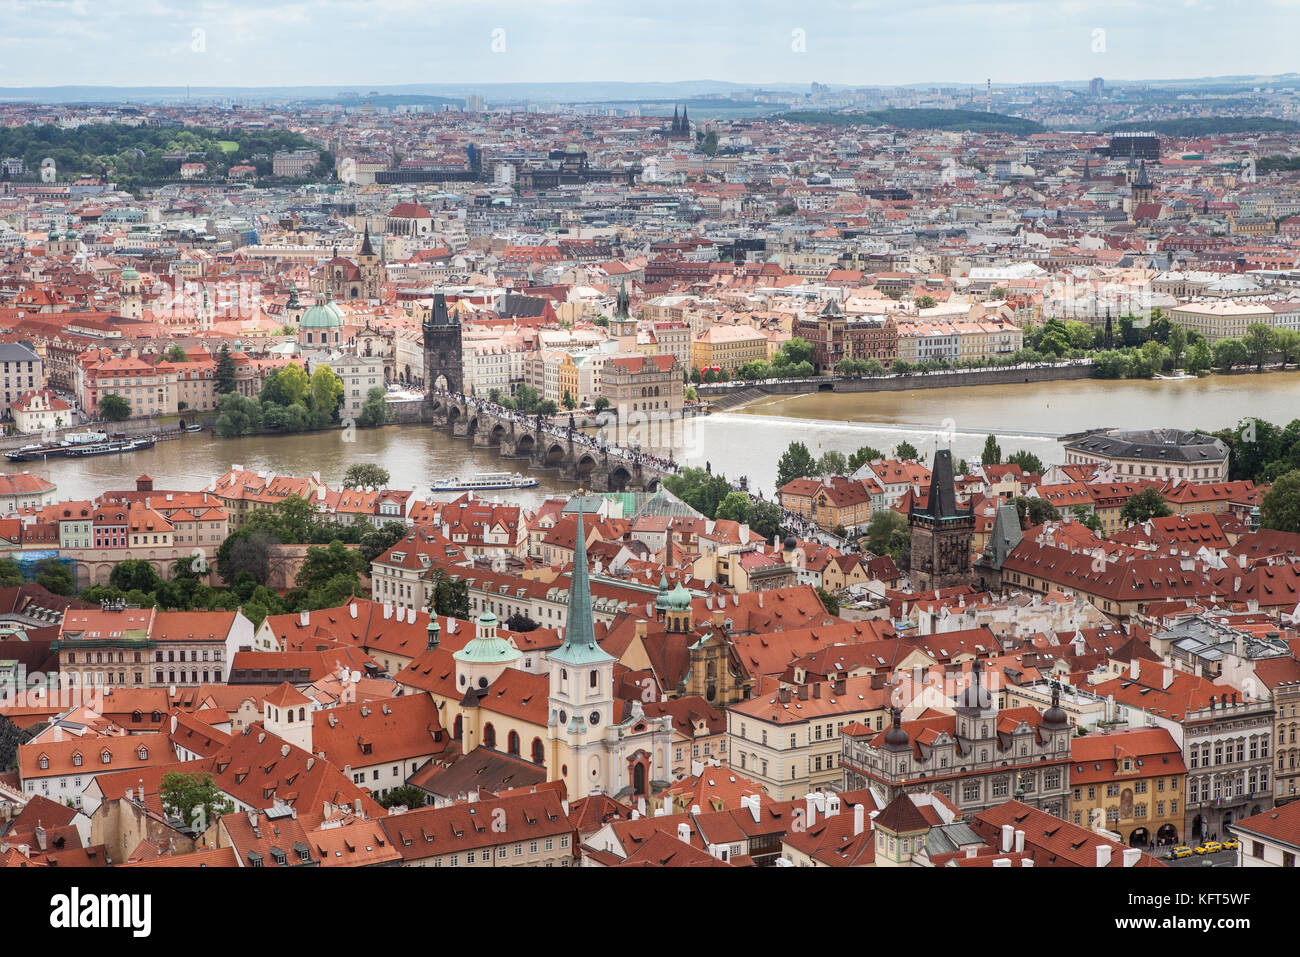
938,552
581,683
1142,190
442,350
623,326
130,289
372,270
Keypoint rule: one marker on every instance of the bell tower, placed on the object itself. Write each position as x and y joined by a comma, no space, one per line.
442,350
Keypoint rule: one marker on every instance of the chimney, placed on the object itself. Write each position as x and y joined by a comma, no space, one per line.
1020,842
1026,862
140,789
668,805
303,618
1168,677
832,805
1134,669
810,805
859,818
684,833
174,722
1103,855
1008,837
1131,856
40,837
388,610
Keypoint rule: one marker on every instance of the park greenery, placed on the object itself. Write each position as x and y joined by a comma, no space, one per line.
136,156
712,496
290,401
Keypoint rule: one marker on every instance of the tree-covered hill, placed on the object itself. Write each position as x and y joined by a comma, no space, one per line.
1209,126
135,156
921,119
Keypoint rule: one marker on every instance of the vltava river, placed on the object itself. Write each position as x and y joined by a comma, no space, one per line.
746,442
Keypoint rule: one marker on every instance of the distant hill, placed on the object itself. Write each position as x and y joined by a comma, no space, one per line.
950,120
1209,126
134,156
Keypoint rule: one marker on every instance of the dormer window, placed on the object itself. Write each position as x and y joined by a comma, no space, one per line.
76,760
45,763
106,757
144,754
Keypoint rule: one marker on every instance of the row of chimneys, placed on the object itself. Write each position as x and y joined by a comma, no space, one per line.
838,687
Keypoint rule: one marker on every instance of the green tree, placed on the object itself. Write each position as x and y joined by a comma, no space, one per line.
326,395
906,452
526,398
134,573
547,408
992,454
1145,504
829,601
177,354
795,462
56,577
247,549
569,402
193,798
1028,462
887,533
924,302
1086,517
376,541
450,597
366,475
11,573
225,372
114,408
1035,511
832,463
323,563
765,519
404,795
1280,507
735,507
862,456
1229,353
1260,343
1287,342
292,519
701,490
1199,358
239,415
601,403
286,386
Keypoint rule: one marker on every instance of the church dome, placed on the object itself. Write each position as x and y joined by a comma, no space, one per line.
323,315
679,599
129,274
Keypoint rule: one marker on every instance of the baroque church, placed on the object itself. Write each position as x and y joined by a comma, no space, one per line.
343,279
558,711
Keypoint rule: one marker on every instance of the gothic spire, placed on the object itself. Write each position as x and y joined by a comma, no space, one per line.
621,309
366,248
580,646
677,125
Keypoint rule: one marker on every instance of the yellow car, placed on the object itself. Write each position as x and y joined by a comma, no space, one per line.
1182,850
1209,847
1231,845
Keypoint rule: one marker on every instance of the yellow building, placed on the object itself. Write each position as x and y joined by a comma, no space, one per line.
728,347
1130,782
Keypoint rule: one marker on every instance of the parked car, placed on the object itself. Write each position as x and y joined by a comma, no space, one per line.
1209,847
1180,850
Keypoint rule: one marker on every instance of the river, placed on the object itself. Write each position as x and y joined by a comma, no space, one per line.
746,442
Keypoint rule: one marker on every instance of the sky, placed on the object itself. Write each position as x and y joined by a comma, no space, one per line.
351,44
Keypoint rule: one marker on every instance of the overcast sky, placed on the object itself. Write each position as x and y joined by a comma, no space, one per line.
360,43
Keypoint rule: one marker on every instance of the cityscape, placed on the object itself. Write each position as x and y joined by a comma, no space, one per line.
580,470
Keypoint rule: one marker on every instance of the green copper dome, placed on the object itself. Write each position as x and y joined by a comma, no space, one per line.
323,315
489,649
129,274
679,599
661,600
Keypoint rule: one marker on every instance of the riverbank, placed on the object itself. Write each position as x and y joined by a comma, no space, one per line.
730,397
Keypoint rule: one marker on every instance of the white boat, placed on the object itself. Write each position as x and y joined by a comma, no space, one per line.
484,481
1178,374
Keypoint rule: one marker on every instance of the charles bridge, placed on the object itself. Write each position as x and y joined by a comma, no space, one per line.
577,456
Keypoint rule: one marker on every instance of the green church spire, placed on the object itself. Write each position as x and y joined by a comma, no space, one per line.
580,646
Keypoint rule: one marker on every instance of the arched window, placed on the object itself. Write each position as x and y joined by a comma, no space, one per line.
512,743
76,760
302,714
144,754
539,751
489,735
455,728
594,678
